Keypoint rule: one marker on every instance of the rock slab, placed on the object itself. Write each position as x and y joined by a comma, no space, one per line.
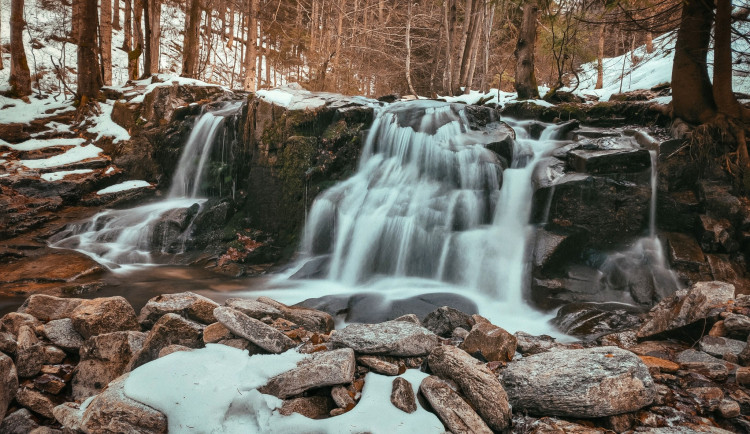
393,338
329,368
259,333
453,411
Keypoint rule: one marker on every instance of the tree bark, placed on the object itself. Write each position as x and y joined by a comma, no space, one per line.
146,4
525,78
75,20
649,42
155,36
89,75
600,59
1,46
20,75
448,22
726,102
105,44
692,97
250,84
116,15
137,37
408,49
191,48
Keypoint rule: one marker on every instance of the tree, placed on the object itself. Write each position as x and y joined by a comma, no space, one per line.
525,78
89,74
20,75
191,47
251,51
105,34
1,46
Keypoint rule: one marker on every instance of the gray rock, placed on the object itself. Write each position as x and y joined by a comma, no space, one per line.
61,333
8,382
170,329
719,346
443,320
254,308
735,323
18,422
393,338
453,411
609,160
49,308
480,386
409,317
259,333
30,353
309,406
402,395
104,315
186,304
12,321
341,397
103,358
686,307
328,368
704,364
527,344
69,415
113,412
53,355
597,382
311,319
35,401
379,365
7,343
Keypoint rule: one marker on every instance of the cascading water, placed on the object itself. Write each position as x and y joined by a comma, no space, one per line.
130,236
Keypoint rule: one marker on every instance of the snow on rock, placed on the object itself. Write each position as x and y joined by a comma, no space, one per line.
214,389
73,155
161,80
127,185
276,96
17,111
56,176
104,126
34,144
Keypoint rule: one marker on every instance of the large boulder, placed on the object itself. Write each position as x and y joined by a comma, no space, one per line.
686,307
30,353
13,321
261,334
170,329
8,382
18,422
104,358
62,333
186,304
392,338
595,382
480,386
327,368
443,320
104,315
49,308
453,411
312,319
490,342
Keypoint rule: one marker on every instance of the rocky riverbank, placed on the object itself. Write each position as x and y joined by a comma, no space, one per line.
69,365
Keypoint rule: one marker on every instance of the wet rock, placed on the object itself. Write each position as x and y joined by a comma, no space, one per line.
453,411
170,329
56,266
684,251
528,344
13,321
49,308
311,319
103,358
402,395
686,307
704,364
8,382
35,401
443,320
7,343
554,249
328,368
716,235
477,383
734,323
62,333
720,346
393,338
597,382
104,315
313,407
186,304
623,340
409,318
253,330
30,353
215,332
18,422
677,211
592,319
609,160
379,365
490,342
112,411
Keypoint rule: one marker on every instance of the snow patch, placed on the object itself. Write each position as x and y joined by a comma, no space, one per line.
34,144
104,126
73,155
56,176
276,96
127,185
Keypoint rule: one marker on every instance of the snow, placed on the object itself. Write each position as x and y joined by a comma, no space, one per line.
214,390
17,111
276,96
73,155
163,80
127,185
109,170
56,176
34,144
104,126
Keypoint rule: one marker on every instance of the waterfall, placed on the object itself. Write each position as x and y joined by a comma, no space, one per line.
117,237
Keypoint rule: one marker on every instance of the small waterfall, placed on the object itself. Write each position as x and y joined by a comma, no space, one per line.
138,235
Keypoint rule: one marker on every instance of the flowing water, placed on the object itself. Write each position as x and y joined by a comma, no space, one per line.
122,238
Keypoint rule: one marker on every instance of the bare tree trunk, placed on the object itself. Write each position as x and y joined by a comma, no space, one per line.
726,102
471,46
191,47
230,42
105,44
486,79
339,36
1,45
155,20
250,84
314,25
137,36
20,75
465,30
127,44
116,15
436,62
649,42
692,97
600,60
448,21
89,74
408,49
525,78
75,21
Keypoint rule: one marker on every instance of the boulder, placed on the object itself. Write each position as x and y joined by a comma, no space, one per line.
379,365
527,344
716,235
253,330
342,397
53,355
313,407
477,383
254,308
596,319
453,411
402,395
393,338
53,384
554,249
311,319
69,415
12,321
734,323
491,342
49,308
443,320
170,329
609,160
103,358
62,333
30,353
113,412
597,382
720,346
35,401
327,368
18,422
104,315
704,364
8,382
685,307
8,343
186,304
172,349
215,332
684,252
